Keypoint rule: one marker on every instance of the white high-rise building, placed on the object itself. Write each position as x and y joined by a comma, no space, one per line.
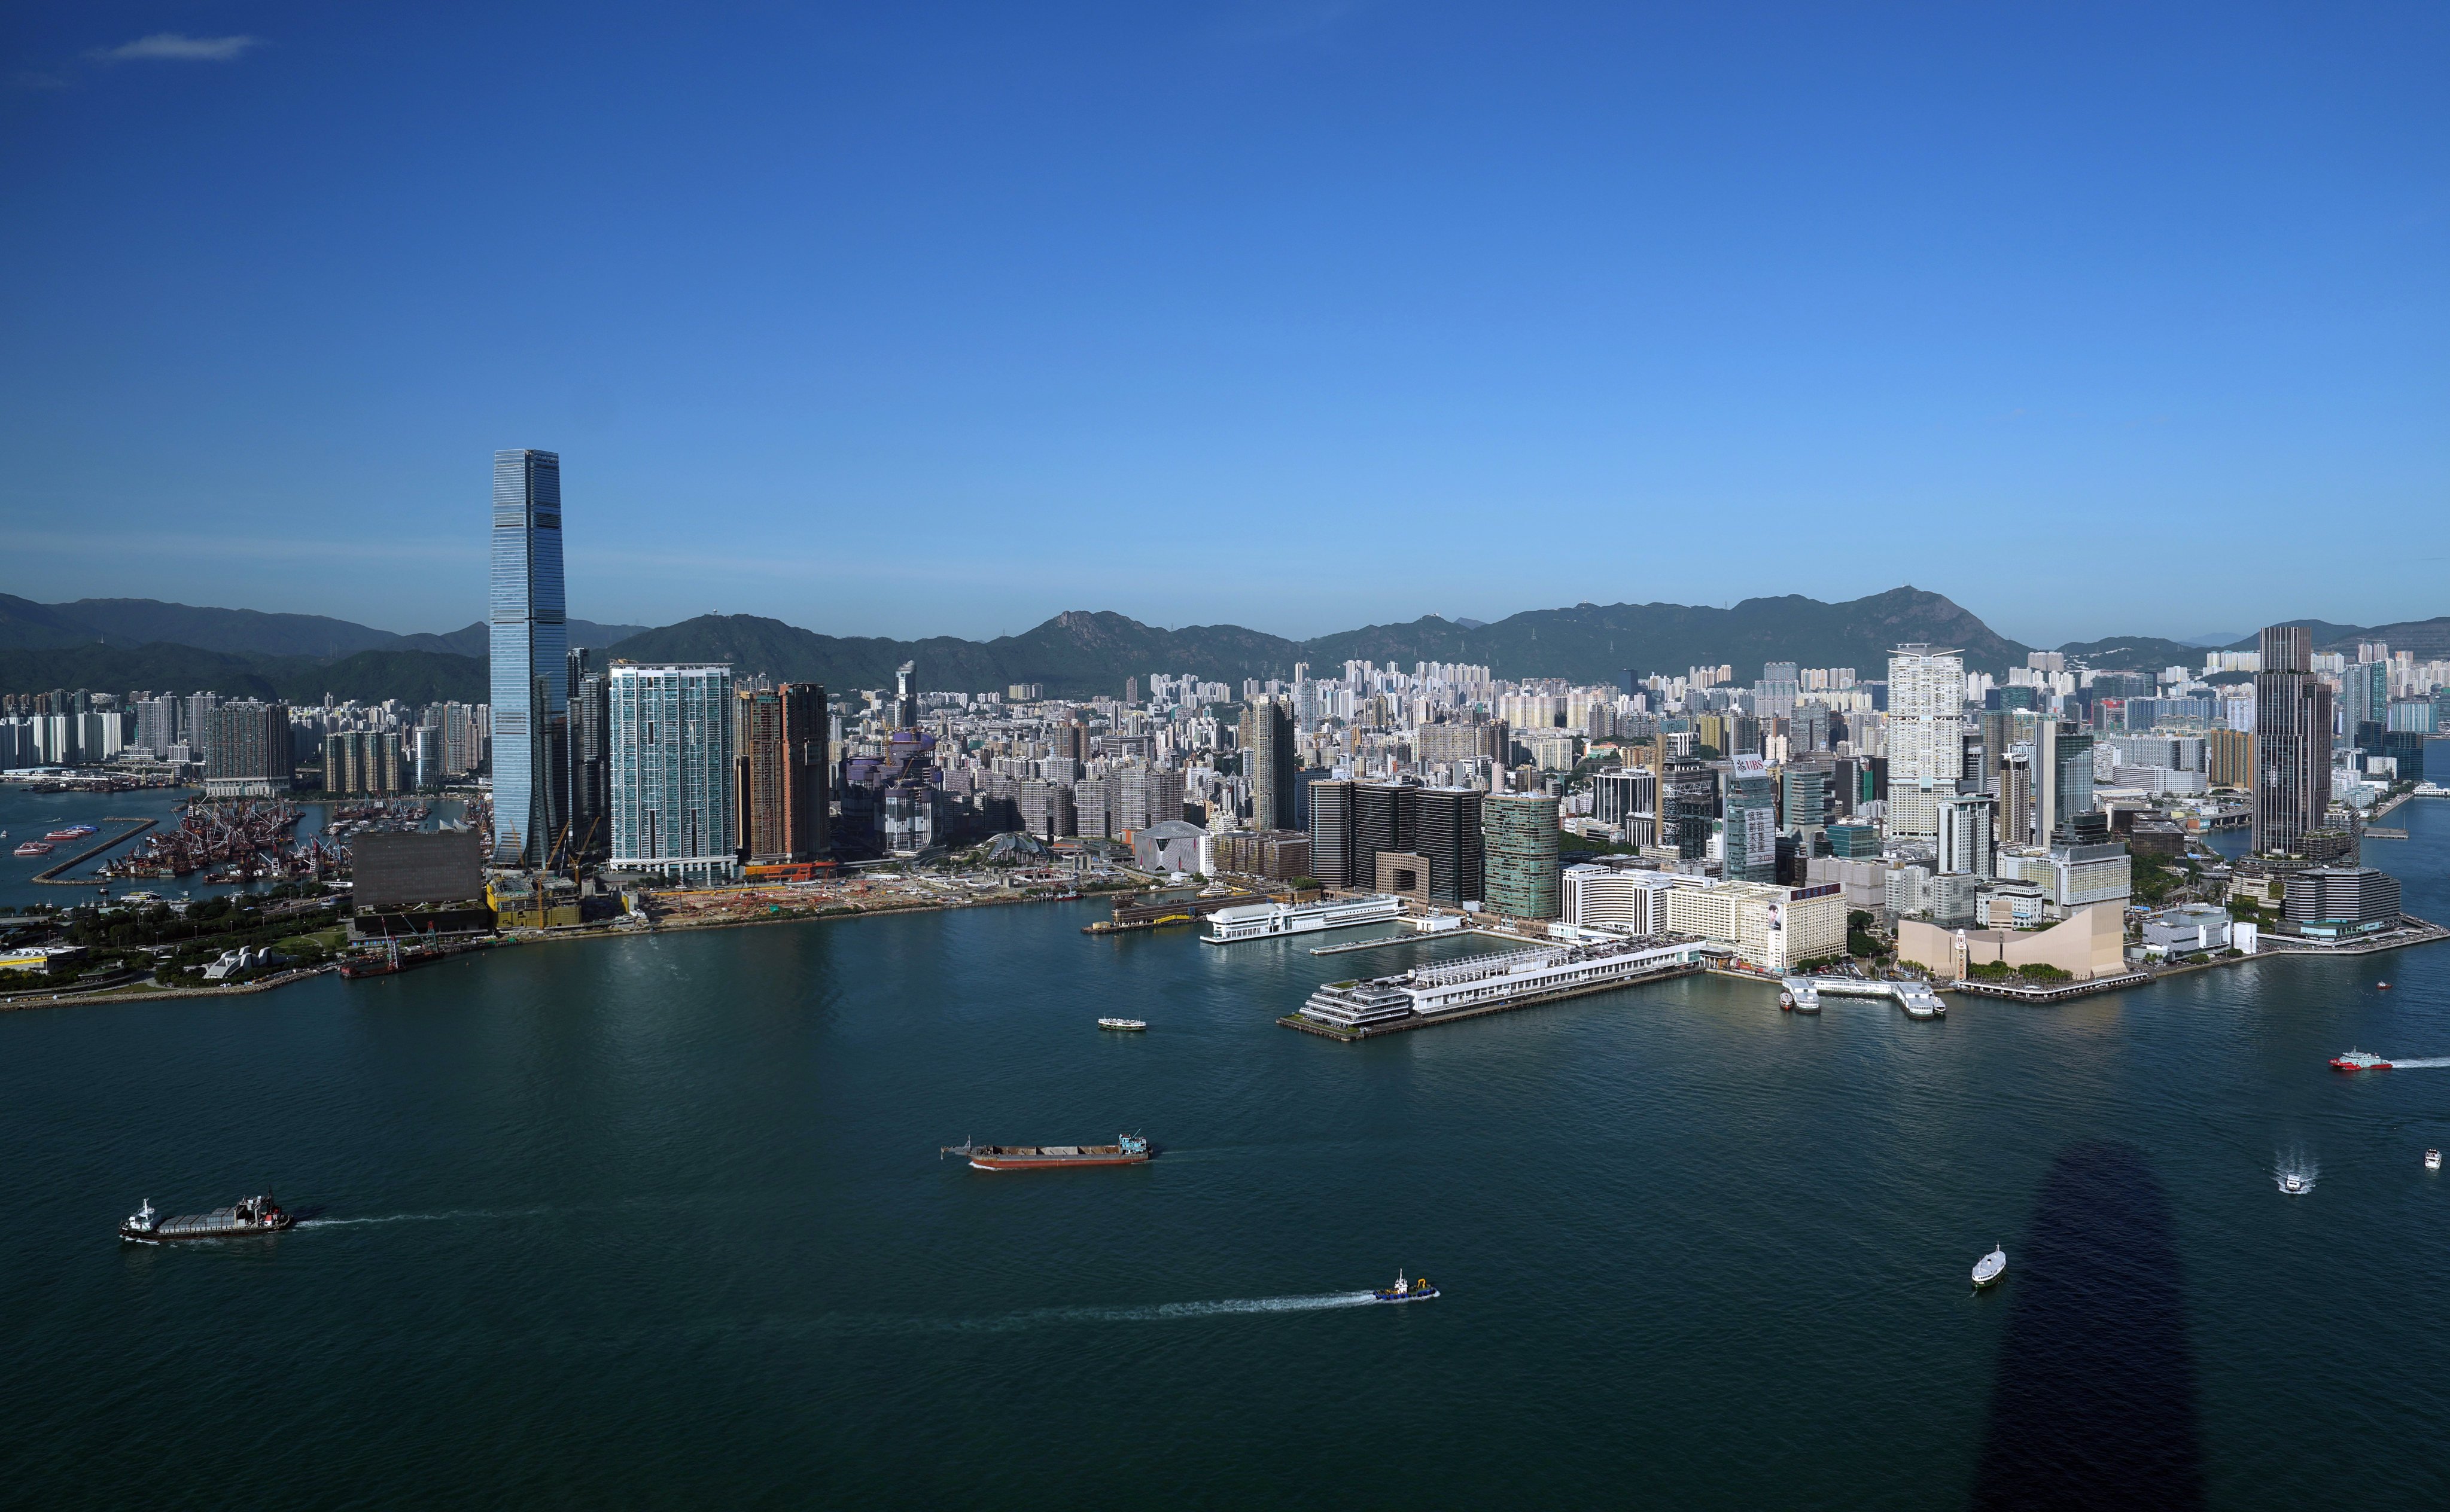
1926,728
672,760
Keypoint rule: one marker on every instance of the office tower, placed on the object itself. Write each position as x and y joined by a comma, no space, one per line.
1750,821
674,806
530,644
1269,761
1628,799
1967,842
1690,802
2292,742
427,759
2063,775
1446,831
1383,816
1331,832
782,768
1926,735
1519,839
1805,795
905,698
590,744
2015,816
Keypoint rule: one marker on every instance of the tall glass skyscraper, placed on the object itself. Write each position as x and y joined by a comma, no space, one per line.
530,647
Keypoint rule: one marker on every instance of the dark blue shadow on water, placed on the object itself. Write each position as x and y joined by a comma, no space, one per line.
2094,1404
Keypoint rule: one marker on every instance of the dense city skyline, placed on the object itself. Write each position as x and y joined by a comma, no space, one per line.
956,321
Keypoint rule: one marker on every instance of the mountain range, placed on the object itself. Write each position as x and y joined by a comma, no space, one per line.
145,643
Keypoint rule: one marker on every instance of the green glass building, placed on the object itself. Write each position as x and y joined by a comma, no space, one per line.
1518,845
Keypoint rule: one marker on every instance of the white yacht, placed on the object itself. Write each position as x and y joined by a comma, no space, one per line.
1988,1270
1131,1024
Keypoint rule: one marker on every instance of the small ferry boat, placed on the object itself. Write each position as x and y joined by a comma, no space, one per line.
2433,1160
35,848
1127,1149
1988,1270
241,1219
72,832
1128,1025
1404,1290
2359,1061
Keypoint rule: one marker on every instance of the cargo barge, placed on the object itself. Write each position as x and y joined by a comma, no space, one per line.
1127,1149
243,1219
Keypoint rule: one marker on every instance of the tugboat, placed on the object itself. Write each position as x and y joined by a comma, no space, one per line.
1127,1149
1988,1270
1132,1025
1404,1290
243,1219
2359,1061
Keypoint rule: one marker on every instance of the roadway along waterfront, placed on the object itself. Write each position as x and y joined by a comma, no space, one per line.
660,1222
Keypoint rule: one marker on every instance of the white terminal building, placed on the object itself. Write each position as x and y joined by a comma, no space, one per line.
1768,926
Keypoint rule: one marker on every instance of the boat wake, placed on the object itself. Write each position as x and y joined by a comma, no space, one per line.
416,1217
2293,1172
2418,1065
1057,1317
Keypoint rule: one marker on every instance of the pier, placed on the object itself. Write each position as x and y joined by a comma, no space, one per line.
1916,998
1486,984
51,875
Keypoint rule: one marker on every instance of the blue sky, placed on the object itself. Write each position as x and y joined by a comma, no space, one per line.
925,318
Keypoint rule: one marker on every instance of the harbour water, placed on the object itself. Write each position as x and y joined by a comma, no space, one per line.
660,1222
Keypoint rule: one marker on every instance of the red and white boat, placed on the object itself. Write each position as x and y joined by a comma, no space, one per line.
35,848
2359,1061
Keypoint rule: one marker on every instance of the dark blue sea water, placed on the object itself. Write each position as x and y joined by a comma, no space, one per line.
660,1222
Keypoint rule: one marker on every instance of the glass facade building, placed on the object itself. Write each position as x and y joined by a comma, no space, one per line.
1520,841
674,803
530,647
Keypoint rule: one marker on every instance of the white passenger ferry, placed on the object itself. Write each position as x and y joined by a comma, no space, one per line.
1226,926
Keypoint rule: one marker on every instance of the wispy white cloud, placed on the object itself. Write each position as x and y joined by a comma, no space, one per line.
178,48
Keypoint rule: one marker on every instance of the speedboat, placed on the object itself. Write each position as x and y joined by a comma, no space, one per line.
2433,1160
1988,1270
2295,1185
1404,1290
1123,1023
2359,1061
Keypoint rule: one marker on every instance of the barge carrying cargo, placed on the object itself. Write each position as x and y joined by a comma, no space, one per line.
243,1219
1127,1149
